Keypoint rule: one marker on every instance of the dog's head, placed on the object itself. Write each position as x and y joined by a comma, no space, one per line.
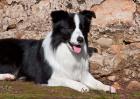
71,28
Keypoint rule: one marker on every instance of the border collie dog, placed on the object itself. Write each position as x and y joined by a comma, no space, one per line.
61,59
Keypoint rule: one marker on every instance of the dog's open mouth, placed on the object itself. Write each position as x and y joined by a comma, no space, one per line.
75,48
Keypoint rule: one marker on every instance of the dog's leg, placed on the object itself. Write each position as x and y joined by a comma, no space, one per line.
92,83
7,76
68,83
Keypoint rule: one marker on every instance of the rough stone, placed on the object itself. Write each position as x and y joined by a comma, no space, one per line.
114,11
117,85
40,10
126,79
137,1
97,58
13,15
112,78
105,42
133,85
127,71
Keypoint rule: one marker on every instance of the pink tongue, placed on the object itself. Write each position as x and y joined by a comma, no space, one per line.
76,49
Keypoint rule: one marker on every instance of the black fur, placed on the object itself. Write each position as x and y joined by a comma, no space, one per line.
62,28
25,56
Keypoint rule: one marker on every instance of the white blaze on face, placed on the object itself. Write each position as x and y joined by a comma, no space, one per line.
76,33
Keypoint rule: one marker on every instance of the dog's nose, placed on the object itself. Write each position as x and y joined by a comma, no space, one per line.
80,39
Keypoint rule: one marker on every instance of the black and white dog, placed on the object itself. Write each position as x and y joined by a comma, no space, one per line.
61,59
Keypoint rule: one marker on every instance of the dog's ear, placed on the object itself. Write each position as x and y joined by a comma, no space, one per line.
88,14
58,15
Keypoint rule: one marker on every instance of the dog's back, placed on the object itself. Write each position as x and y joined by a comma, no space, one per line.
10,55
21,57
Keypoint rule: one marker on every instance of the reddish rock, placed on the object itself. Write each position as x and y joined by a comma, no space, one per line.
116,49
137,45
133,85
105,42
112,78
112,11
40,10
116,85
126,79
97,58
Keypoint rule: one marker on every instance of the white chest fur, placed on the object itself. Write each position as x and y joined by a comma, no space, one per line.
64,62
72,64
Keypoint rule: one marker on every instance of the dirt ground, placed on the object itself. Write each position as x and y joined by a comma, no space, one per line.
29,90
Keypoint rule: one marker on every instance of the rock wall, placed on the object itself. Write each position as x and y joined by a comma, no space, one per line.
114,35
33,15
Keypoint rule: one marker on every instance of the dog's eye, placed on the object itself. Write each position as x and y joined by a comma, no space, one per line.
67,28
66,36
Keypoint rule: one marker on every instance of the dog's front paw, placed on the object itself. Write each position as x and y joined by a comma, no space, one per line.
8,77
84,89
110,89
